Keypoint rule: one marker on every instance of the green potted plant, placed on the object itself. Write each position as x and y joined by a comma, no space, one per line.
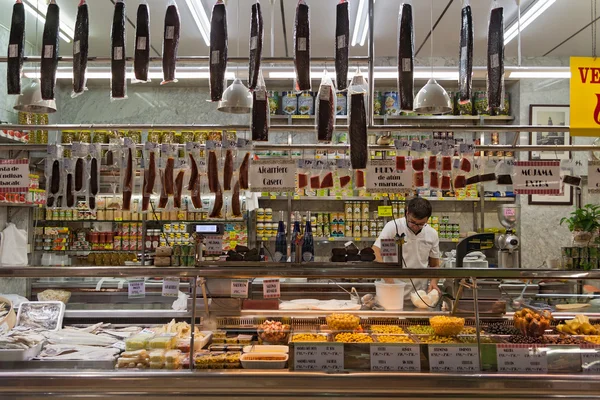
583,223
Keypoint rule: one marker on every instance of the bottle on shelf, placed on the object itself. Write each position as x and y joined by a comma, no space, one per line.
308,247
295,233
280,244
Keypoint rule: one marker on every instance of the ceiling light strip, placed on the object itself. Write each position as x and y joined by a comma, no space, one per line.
530,15
64,31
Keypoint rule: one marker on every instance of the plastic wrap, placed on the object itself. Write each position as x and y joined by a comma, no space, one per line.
495,58
213,172
69,173
302,46
218,51
260,112
228,168
80,49
357,121
256,45
342,41
406,57
128,174
236,205
94,174
54,176
118,63
359,178
141,57
465,54
194,183
50,43
16,46
325,112
244,170
170,42
150,175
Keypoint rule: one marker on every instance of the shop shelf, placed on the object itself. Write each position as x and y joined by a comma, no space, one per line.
329,239
322,198
482,118
8,204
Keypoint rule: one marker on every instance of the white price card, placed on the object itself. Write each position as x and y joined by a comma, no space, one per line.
594,176
136,289
239,288
389,248
170,287
453,358
271,289
395,357
590,358
214,245
319,357
522,358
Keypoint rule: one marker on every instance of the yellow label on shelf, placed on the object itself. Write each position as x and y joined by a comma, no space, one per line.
264,239
461,198
331,239
357,239
232,235
376,198
493,199
455,240
296,197
338,197
119,219
385,211
301,116
273,197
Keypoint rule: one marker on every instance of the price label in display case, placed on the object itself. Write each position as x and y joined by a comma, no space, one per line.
319,357
239,288
522,358
271,289
170,287
389,248
453,358
136,289
590,358
395,357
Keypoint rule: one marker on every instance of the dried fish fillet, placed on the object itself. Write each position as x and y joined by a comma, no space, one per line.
141,57
218,51
16,45
406,58
326,113
359,152
50,51
302,46
465,55
495,59
118,63
256,45
170,42
342,38
80,48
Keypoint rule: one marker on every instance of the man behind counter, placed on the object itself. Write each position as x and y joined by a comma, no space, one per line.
422,245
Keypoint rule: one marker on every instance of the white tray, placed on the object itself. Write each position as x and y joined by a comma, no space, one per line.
21,355
266,349
61,314
267,364
204,341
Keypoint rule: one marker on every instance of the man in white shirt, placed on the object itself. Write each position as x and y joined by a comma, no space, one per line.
422,245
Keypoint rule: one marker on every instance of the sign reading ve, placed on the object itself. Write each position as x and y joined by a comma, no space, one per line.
585,96
273,175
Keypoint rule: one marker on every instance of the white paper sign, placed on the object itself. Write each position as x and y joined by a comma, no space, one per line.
389,248
382,177
271,289
594,176
136,289
395,357
590,359
319,357
239,288
214,245
14,176
170,287
521,358
273,175
453,358
537,177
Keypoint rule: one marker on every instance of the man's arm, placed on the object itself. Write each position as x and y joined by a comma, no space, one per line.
434,263
378,258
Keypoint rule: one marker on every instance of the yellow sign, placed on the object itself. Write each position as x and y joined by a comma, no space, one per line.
385,211
585,96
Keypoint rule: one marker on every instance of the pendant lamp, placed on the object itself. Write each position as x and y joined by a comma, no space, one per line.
237,99
432,98
31,100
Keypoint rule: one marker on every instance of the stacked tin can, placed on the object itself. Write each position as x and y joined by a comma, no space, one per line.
582,258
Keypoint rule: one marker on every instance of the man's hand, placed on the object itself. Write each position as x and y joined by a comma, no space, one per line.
433,286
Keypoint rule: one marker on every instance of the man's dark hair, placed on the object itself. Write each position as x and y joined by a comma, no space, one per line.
419,208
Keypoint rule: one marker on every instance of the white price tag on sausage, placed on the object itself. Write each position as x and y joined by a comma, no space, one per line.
522,358
453,358
395,357
319,357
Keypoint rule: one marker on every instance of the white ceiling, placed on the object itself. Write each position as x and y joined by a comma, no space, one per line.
560,21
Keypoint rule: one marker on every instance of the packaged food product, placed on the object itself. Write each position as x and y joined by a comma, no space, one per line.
138,342
157,356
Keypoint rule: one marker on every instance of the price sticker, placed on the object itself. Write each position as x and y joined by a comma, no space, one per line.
590,359
331,239
338,197
136,289
385,211
453,358
395,357
170,287
319,357
389,248
273,197
239,288
357,239
522,358
271,289
296,197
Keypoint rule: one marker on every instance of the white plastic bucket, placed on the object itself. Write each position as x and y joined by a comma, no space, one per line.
390,295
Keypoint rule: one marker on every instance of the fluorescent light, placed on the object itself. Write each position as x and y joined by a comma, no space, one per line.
540,75
361,24
530,15
64,31
201,18
438,75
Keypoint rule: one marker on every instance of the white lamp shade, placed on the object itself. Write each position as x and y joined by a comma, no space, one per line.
237,99
31,100
432,99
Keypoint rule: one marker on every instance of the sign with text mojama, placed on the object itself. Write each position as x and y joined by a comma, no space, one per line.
585,96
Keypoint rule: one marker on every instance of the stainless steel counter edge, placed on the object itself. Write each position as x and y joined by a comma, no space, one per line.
292,384
289,270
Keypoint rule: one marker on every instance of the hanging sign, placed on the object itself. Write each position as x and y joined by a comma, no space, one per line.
537,177
214,245
383,177
594,176
14,176
271,289
585,96
239,288
389,248
273,175
170,287
136,288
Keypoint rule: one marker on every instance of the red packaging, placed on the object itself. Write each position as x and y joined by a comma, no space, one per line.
302,181
465,165
446,163
315,182
400,163
434,179
446,183
418,164
460,182
327,181
432,164
345,180
419,179
360,179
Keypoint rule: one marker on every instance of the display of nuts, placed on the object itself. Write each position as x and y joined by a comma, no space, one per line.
393,329
309,337
394,339
446,326
343,322
347,337
435,339
421,329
